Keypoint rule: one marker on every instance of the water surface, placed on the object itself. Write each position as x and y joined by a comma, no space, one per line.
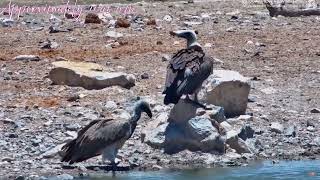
262,171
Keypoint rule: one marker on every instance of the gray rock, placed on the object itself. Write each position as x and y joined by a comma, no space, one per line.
315,110
182,112
6,22
49,45
192,23
88,75
167,18
316,141
254,145
216,113
152,126
72,127
145,76
237,143
27,58
54,29
277,127
197,135
311,129
227,89
246,132
226,126
245,118
156,137
114,34
290,131
111,105
165,57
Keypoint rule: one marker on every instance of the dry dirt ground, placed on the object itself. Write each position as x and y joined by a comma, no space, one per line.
283,58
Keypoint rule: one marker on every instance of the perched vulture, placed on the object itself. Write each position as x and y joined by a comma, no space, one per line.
187,69
104,137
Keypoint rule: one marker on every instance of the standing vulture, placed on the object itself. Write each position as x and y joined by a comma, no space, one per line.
187,70
104,137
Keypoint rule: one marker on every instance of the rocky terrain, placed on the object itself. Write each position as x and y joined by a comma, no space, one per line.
278,57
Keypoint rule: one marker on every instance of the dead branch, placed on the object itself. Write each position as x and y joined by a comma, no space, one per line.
277,11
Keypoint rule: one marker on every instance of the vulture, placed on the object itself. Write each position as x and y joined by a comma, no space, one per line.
187,70
103,137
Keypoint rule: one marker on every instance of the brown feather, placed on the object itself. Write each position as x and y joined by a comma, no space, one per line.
176,83
94,137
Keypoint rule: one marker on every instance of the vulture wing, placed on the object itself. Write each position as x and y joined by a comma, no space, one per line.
93,138
185,63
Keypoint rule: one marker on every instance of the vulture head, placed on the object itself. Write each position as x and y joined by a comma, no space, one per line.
189,35
143,106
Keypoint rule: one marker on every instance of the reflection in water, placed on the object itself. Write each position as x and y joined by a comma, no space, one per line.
266,170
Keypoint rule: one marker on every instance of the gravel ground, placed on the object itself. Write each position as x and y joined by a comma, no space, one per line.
282,56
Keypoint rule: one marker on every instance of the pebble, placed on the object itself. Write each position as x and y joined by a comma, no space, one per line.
165,57
315,111
113,34
111,105
167,18
27,58
276,127
145,76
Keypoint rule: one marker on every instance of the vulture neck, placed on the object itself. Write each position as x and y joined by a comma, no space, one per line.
136,115
193,44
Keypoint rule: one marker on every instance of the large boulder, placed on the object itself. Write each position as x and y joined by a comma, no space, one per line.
184,110
203,135
88,76
198,134
227,89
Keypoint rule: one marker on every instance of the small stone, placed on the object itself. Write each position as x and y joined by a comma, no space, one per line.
145,76
27,58
276,127
92,18
290,131
7,159
156,167
6,22
21,177
152,22
13,135
113,34
49,45
71,15
122,23
111,105
73,127
208,45
230,29
311,129
165,57
226,126
192,23
167,18
36,142
246,132
245,118
315,111
310,123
